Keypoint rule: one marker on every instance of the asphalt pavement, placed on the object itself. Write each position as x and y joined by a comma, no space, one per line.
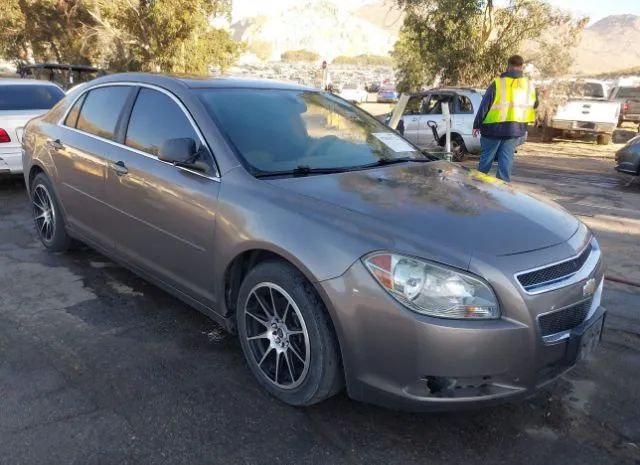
99,367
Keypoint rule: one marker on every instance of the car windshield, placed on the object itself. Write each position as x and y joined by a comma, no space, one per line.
283,130
628,92
29,96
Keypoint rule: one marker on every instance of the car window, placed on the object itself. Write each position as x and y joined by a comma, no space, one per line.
72,117
413,105
287,129
580,89
434,105
101,109
29,96
628,92
156,118
464,104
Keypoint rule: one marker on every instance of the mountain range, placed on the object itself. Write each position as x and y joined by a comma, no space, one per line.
331,28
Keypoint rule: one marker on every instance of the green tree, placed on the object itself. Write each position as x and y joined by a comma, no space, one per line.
136,35
47,30
164,35
299,56
467,42
262,49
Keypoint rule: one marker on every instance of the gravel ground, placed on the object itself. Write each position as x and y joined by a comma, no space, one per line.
99,367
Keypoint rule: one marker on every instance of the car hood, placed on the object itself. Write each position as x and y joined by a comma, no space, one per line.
442,206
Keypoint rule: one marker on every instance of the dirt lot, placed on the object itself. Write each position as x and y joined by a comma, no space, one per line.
99,367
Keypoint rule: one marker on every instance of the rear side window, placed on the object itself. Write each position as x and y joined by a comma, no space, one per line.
156,118
101,110
628,92
464,104
29,96
72,116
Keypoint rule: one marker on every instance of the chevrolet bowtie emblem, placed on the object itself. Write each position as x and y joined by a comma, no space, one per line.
589,287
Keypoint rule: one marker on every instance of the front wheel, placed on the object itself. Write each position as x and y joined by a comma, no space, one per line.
47,215
286,335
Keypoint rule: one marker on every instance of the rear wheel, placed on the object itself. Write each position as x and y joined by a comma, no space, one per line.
603,139
286,335
458,147
47,215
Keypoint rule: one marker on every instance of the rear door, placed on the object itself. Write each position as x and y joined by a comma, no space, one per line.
164,216
81,151
462,115
432,111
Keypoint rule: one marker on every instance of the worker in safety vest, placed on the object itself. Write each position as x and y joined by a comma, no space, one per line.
507,107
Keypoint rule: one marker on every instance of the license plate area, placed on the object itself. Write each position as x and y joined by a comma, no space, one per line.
585,125
583,341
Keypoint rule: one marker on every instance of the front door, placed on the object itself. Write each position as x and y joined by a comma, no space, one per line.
411,118
165,216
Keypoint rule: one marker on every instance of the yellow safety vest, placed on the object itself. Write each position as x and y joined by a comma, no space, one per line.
513,101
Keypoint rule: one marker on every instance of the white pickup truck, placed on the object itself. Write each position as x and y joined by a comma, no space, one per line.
587,111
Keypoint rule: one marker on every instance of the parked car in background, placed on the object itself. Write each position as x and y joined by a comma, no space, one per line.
21,100
426,106
588,111
628,157
335,249
387,94
374,87
629,99
353,92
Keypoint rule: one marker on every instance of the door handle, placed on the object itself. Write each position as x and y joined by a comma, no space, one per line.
55,144
119,167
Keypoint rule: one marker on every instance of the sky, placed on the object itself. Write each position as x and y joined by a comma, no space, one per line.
595,9
598,9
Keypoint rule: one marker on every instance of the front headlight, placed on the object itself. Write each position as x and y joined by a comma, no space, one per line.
432,289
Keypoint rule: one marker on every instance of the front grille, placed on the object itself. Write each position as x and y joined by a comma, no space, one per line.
565,319
563,270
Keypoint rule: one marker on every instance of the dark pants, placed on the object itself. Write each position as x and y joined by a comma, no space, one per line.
503,149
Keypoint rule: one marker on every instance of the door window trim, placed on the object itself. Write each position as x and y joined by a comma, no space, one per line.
214,177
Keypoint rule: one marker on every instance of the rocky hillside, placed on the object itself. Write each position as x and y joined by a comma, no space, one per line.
322,26
611,44
335,27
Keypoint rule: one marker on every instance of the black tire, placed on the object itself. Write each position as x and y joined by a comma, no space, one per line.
458,147
53,234
323,376
603,139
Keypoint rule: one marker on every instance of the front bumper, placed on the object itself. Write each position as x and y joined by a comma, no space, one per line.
627,162
631,117
401,359
10,161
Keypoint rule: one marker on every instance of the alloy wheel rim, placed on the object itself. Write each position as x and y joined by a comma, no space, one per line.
276,335
44,213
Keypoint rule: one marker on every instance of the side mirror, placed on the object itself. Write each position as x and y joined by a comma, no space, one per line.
182,152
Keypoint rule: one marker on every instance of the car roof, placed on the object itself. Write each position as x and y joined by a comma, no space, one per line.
200,82
18,81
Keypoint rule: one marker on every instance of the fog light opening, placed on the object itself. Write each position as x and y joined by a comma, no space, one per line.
438,384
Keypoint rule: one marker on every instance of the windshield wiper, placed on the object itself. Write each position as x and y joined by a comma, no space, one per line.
392,161
302,170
